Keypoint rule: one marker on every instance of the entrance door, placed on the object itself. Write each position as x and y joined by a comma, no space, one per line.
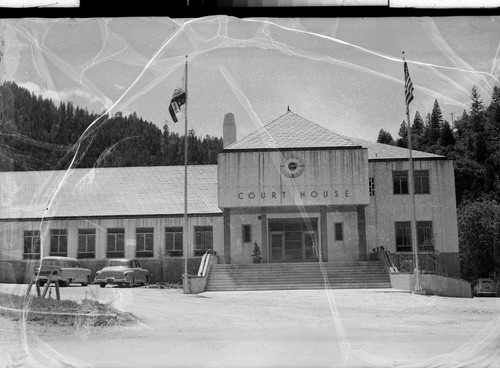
293,240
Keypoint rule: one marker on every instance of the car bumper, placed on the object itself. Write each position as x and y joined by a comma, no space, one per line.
111,280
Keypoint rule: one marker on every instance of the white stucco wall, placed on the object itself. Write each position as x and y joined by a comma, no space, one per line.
386,208
346,250
256,179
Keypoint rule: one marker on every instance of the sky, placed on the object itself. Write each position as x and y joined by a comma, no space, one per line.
345,74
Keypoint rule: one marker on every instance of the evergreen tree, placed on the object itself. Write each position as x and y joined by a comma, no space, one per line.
432,130
446,137
476,111
385,137
403,135
417,131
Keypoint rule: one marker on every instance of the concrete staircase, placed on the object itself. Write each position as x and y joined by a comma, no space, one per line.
290,276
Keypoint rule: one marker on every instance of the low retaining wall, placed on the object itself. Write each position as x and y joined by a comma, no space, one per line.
433,285
197,284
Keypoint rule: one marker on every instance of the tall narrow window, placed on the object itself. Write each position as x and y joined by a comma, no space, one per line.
403,236
116,243
31,244
173,241
371,185
421,181
203,238
424,236
339,231
144,242
86,243
247,233
59,242
400,181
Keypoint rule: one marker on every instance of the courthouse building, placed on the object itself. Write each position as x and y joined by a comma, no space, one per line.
300,191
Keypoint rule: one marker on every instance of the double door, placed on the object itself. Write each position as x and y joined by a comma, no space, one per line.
296,241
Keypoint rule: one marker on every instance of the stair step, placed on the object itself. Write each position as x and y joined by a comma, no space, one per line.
290,276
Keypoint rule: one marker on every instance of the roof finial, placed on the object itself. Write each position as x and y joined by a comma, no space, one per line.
288,108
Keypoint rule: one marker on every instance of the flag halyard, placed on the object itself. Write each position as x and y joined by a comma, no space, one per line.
408,87
177,102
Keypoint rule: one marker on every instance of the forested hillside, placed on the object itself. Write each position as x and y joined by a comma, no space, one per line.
35,134
473,142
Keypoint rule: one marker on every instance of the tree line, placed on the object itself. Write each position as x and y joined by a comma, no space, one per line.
473,142
36,134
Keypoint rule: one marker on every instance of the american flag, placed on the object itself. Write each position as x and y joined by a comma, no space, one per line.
408,87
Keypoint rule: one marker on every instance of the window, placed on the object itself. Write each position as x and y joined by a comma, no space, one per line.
403,236
173,241
247,233
31,244
144,242
116,243
59,242
371,185
339,231
86,243
424,236
400,182
203,238
421,181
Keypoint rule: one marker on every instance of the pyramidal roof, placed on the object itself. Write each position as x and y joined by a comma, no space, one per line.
292,131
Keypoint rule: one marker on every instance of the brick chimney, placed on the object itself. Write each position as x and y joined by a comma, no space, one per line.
229,130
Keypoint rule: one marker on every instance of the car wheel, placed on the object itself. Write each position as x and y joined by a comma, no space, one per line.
86,283
120,284
102,284
63,283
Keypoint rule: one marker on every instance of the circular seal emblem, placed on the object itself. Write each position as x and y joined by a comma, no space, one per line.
292,166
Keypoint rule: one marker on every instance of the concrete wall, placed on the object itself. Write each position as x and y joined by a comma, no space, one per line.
346,250
439,206
249,179
433,285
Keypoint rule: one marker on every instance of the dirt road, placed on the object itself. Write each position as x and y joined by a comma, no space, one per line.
320,328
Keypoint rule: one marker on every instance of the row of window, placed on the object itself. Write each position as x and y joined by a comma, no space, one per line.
400,182
115,242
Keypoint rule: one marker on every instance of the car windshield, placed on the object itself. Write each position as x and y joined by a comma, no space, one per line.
50,262
117,263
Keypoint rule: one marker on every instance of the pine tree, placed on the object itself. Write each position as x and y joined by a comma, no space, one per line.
403,134
417,131
476,111
432,130
446,137
385,137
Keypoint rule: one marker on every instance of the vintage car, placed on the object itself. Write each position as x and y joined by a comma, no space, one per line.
69,271
122,272
484,287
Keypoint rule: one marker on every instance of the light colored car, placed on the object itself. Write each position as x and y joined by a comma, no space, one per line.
69,271
485,287
122,272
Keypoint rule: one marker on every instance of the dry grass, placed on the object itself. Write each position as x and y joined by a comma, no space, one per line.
89,312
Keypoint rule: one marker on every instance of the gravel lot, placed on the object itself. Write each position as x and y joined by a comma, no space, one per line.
307,328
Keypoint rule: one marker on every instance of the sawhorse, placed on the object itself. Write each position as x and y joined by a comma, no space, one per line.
52,278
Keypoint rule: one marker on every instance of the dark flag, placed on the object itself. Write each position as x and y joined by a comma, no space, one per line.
408,87
178,100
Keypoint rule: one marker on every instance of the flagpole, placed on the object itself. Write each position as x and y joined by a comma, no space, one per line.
413,225
186,232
